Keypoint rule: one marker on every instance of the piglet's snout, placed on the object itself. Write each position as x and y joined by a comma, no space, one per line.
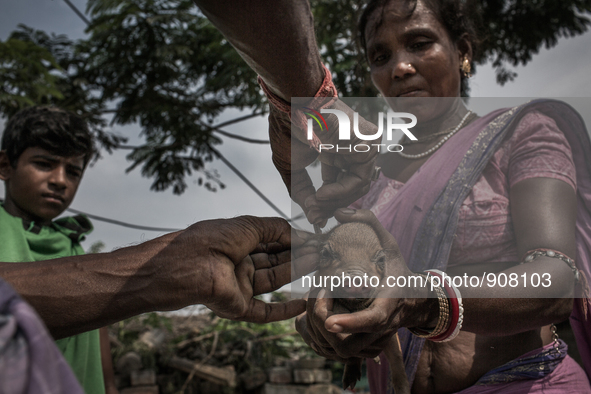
355,283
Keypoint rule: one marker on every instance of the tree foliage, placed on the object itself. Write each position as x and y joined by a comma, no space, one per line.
162,65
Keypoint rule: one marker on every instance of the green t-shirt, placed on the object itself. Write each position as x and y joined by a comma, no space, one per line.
25,242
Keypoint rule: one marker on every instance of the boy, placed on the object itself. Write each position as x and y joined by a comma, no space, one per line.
44,154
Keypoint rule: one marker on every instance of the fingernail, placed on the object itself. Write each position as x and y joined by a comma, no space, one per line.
347,211
336,328
302,234
320,223
321,294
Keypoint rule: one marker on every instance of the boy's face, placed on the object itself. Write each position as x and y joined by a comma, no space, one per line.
42,185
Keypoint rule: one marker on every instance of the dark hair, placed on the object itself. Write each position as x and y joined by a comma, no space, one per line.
458,17
58,131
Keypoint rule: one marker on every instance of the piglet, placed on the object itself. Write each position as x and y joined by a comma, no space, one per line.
354,249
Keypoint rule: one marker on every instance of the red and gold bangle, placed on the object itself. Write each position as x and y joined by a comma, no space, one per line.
456,308
443,320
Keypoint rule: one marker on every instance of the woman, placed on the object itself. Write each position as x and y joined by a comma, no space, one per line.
414,53
519,166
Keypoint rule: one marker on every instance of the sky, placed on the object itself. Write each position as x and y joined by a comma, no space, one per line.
108,191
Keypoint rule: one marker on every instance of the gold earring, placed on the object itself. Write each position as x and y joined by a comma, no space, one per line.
466,68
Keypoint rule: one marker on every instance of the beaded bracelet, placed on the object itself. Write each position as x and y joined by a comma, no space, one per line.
456,306
443,320
533,254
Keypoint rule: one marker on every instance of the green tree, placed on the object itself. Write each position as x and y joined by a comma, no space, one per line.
161,64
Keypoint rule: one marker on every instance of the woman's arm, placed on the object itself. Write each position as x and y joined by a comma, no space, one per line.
544,215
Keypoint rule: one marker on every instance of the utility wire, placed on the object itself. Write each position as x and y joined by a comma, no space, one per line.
250,184
77,11
120,223
240,119
241,138
147,228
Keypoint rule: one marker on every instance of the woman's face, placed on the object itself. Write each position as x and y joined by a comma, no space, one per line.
412,56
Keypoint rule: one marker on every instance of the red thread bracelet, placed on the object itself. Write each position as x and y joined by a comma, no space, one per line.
327,90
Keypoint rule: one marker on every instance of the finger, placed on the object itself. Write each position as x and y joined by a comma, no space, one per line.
301,188
322,311
264,260
319,217
304,265
301,238
332,205
309,247
238,237
329,173
366,216
301,327
312,327
346,187
262,312
270,248
270,279
375,318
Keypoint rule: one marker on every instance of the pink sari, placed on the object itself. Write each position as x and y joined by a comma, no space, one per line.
423,220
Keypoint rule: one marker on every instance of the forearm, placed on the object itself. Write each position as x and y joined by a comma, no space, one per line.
275,38
507,303
77,294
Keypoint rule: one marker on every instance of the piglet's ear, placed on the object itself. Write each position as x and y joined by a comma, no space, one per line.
380,260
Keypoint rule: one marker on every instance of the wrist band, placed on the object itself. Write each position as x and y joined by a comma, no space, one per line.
580,278
327,90
533,254
443,320
456,308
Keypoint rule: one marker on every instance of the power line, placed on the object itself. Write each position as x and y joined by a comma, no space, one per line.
241,138
148,228
77,11
251,185
240,119
124,224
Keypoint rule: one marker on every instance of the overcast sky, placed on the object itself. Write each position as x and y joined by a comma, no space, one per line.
107,191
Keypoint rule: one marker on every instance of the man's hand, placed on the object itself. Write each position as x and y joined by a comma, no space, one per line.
238,259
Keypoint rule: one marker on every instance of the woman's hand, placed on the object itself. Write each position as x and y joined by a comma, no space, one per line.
346,176
365,333
357,337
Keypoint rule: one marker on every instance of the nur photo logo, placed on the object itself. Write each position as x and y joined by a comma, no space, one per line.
393,121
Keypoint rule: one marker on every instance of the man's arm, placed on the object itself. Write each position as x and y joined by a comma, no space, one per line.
221,264
275,38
